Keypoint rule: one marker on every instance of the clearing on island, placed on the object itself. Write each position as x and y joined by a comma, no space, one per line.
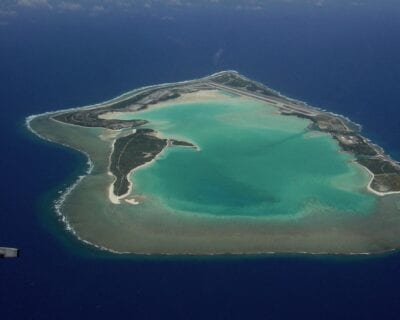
224,164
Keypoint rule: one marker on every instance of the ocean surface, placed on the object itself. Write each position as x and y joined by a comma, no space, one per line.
344,58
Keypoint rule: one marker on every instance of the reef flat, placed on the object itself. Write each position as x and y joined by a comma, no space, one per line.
238,193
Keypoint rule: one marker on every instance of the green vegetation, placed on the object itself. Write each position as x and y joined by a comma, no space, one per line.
237,81
90,118
131,152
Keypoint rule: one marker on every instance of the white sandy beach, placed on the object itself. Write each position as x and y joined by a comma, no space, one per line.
117,199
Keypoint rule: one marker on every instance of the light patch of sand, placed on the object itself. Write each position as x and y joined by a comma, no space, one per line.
313,134
196,96
132,201
202,95
109,135
113,198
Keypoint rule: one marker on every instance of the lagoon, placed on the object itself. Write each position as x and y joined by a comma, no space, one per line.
252,162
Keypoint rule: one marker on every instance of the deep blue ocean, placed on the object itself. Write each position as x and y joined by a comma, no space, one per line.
345,58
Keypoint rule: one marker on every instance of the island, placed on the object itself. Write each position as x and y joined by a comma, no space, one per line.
144,146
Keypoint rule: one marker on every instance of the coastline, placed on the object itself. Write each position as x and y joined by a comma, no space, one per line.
59,203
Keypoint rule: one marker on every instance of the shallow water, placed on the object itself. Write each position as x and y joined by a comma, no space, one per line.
256,163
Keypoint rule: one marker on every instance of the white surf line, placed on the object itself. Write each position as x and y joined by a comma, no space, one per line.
58,203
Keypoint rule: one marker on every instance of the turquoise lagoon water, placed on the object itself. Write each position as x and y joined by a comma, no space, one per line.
252,162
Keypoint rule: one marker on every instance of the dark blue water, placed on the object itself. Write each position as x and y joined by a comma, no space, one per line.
344,58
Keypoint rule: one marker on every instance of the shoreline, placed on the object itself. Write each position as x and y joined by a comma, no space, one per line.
58,203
